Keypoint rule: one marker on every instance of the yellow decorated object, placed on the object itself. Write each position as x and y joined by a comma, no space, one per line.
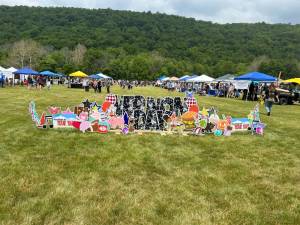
293,80
204,112
78,74
188,119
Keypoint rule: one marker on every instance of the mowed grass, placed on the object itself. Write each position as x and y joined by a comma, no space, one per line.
66,177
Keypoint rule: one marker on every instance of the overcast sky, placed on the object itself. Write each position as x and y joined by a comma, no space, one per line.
221,11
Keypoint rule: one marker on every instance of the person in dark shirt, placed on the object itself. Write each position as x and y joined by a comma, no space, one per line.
99,86
108,87
29,82
269,97
251,91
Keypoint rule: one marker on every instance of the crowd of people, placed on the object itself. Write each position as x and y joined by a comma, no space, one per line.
31,82
255,92
99,85
220,89
136,83
40,82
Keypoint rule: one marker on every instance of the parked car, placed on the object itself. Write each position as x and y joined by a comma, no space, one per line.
288,93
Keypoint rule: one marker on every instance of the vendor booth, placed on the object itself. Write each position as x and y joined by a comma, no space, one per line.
76,79
8,73
54,77
22,74
253,78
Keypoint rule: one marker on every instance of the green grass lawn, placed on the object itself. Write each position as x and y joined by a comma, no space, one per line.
66,177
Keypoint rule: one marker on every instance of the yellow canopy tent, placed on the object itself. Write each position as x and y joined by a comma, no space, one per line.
78,74
174,79
293,80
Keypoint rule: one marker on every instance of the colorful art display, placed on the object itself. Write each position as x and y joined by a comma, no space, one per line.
137,114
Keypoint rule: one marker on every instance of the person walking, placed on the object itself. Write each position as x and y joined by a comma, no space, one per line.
269,97
40,82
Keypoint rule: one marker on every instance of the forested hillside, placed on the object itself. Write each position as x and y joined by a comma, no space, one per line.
142,45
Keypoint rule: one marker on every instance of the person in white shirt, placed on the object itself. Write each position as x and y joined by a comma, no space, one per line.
48,83
85,85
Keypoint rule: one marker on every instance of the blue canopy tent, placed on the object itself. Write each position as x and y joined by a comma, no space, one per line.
256,76
192,77
184,78
162,77
99,76
24,71
61,75
49,74
95,76
103,76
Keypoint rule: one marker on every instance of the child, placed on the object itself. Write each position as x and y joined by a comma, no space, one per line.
48,84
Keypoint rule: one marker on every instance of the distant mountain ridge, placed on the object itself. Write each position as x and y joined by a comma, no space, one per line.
174,37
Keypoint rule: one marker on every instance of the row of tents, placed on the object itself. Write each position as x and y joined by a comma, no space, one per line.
253,76
10,72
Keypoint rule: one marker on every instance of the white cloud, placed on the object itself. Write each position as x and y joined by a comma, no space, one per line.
222,11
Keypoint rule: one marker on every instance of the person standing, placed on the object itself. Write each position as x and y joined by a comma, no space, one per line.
40,82
251,91
95,86
108,86
2,79
85,85
48,83
99,85
269,97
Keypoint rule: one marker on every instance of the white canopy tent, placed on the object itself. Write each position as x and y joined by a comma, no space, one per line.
103,76
225,78
202,78
9,73
241,84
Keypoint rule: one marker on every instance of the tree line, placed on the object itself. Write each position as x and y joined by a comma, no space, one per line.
132,45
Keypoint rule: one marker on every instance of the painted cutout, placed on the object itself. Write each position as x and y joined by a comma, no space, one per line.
137,114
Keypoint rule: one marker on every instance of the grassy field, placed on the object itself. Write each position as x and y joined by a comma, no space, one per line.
66,177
